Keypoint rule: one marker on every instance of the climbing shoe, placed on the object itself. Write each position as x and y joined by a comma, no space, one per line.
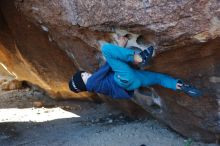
190,90
146,55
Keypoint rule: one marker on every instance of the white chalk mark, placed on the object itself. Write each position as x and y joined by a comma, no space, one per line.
35,8
146,4
44,28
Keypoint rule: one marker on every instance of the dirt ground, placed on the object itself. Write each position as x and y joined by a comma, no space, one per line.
98,125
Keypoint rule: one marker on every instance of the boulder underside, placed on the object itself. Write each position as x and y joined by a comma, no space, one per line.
45,42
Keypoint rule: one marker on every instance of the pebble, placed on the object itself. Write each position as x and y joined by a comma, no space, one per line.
110,121
97,120
67,107
38,104
27,89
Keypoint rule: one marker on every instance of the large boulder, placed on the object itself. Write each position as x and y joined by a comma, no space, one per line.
45,42
169,22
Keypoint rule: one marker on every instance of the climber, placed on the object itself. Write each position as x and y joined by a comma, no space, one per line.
117,79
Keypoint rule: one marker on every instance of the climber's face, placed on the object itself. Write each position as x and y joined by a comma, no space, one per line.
85,76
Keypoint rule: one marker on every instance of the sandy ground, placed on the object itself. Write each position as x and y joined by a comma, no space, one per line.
98,125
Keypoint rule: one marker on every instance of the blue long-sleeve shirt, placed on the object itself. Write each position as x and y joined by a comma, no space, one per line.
103,82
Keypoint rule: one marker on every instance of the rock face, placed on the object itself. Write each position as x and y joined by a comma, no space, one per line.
45,42
168,22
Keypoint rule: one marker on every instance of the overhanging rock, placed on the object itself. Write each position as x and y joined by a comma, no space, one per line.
45,42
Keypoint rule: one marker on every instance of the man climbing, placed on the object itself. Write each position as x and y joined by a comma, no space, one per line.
117,79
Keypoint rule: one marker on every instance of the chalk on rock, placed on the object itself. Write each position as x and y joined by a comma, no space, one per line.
44,28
